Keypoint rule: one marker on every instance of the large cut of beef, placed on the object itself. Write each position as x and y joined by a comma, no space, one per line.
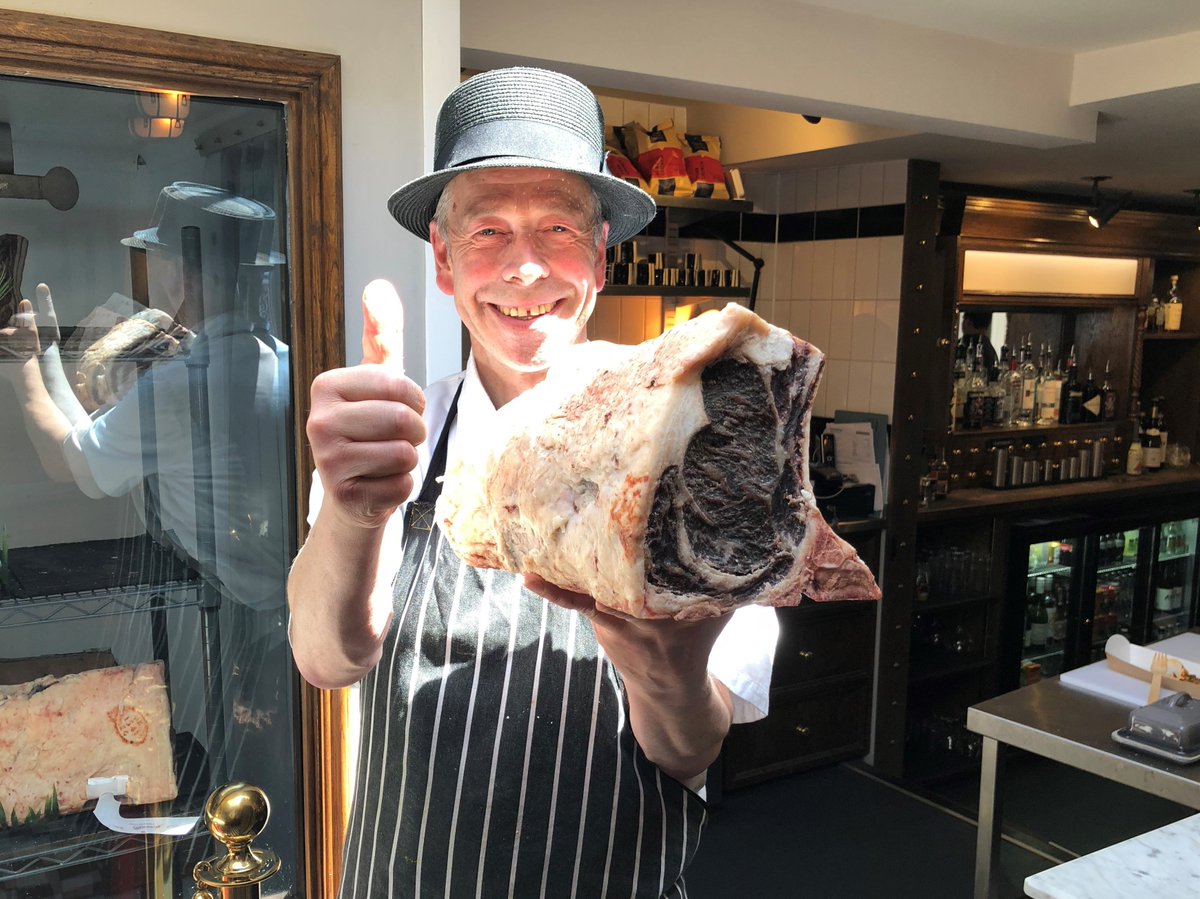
664,480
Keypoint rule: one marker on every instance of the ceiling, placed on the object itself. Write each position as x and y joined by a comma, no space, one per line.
1149,142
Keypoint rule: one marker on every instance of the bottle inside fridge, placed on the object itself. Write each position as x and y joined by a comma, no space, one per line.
1047,592
1116,585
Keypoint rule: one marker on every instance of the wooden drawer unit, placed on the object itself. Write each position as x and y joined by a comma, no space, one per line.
804,730
820,695
821,641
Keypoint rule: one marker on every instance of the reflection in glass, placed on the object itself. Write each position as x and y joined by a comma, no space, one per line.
145,422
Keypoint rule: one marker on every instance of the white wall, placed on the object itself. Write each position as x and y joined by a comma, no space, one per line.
390,67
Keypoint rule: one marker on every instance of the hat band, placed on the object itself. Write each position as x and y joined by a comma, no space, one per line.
532,140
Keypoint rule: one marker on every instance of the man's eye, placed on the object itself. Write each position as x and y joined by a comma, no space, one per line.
487,232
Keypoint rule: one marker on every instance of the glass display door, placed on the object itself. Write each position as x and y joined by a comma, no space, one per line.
1172,594
1050,581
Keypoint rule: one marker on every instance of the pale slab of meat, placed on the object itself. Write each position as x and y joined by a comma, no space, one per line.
56,732
664,480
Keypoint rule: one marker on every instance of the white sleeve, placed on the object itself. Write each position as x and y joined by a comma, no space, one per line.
742,657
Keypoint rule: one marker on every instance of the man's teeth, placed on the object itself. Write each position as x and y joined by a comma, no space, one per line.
514,312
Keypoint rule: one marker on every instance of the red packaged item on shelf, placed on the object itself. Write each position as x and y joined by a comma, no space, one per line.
659,158
620,166
702,161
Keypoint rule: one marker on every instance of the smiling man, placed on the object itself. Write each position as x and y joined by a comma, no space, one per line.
517,741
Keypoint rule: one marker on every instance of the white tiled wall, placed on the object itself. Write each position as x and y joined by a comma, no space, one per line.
619,111
841,295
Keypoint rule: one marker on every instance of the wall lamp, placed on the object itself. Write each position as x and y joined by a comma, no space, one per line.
1101,211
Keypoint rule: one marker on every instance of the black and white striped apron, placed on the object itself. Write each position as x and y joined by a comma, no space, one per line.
496,757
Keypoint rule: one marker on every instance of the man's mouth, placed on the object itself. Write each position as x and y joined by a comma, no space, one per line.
528,312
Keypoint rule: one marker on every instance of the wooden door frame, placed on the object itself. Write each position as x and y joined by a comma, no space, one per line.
308,86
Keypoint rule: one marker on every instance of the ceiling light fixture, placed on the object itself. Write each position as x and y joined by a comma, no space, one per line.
812,119
1101,211
161,114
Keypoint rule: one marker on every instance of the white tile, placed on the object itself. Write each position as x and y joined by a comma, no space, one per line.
782,267
614,112
781,315
895,181
798,318
787,192
891,251
659,113
858,392
836,385
806,191
845,253
802,269
849,185
680,116
871,192
638,111
883,383
761,190
820,318
862,335
766,281
866,268
822,269
887,322
841,326
827,189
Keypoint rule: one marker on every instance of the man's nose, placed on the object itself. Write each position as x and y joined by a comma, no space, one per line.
525,263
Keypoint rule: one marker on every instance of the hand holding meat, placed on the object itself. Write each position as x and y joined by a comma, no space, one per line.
664,480
19,339
364,427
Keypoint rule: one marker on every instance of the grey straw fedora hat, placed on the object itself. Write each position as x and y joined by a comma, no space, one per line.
248,223
522,118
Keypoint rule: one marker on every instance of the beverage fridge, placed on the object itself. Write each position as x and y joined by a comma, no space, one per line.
1074,582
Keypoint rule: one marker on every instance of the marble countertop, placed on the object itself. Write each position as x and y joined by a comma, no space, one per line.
1161,864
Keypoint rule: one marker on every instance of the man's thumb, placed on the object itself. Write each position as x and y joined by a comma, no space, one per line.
383,324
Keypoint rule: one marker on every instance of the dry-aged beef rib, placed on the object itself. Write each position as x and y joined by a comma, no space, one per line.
668,479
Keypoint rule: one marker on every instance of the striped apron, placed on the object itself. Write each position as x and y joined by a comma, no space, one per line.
496,757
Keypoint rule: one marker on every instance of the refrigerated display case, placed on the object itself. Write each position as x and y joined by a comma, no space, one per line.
1083,582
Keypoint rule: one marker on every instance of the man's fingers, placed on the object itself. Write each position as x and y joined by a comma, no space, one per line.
48,318
383,325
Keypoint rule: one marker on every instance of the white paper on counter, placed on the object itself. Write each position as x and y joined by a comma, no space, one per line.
1099,679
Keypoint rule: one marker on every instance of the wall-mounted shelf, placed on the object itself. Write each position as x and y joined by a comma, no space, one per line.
699,293
1171,335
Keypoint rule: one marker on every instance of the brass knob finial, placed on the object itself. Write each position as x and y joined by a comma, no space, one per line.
235,814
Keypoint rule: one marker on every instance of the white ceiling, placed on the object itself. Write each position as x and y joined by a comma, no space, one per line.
1072,26
1148,142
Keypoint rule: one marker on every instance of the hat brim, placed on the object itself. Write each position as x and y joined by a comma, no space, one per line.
627,208
147,239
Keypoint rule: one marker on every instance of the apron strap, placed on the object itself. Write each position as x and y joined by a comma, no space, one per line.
420,510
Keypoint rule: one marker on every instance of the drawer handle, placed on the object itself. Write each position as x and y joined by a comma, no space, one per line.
802,730
805,654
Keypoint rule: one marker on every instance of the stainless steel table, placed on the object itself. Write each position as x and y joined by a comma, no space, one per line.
1071,727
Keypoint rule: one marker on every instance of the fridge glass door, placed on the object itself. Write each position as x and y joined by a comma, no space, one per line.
1047,604
1172,587
1116,579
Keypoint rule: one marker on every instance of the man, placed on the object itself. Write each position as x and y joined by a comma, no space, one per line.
514,743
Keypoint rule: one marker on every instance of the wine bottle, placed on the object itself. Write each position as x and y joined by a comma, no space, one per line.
1173,308
1091,402
1152,451
1109,402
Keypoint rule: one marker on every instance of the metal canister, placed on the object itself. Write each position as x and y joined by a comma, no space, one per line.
1016,471
1000,467
1029,472
1072,468
1099,454
1085,461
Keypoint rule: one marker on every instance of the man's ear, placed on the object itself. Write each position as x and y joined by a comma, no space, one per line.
441,260
600,260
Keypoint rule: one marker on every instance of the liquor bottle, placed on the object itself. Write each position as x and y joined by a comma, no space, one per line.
959,394
1049,393
1162,426
1026,413
974,412
1091,400
1050,604
1163,590
1013,393
1135,462
1040,620
1109,402
1060,611
1071,410
941,486
1173,308
996,402
1153,450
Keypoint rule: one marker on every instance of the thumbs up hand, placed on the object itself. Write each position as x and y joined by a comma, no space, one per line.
383,325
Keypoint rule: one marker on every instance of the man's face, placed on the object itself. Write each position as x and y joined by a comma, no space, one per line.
520,259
